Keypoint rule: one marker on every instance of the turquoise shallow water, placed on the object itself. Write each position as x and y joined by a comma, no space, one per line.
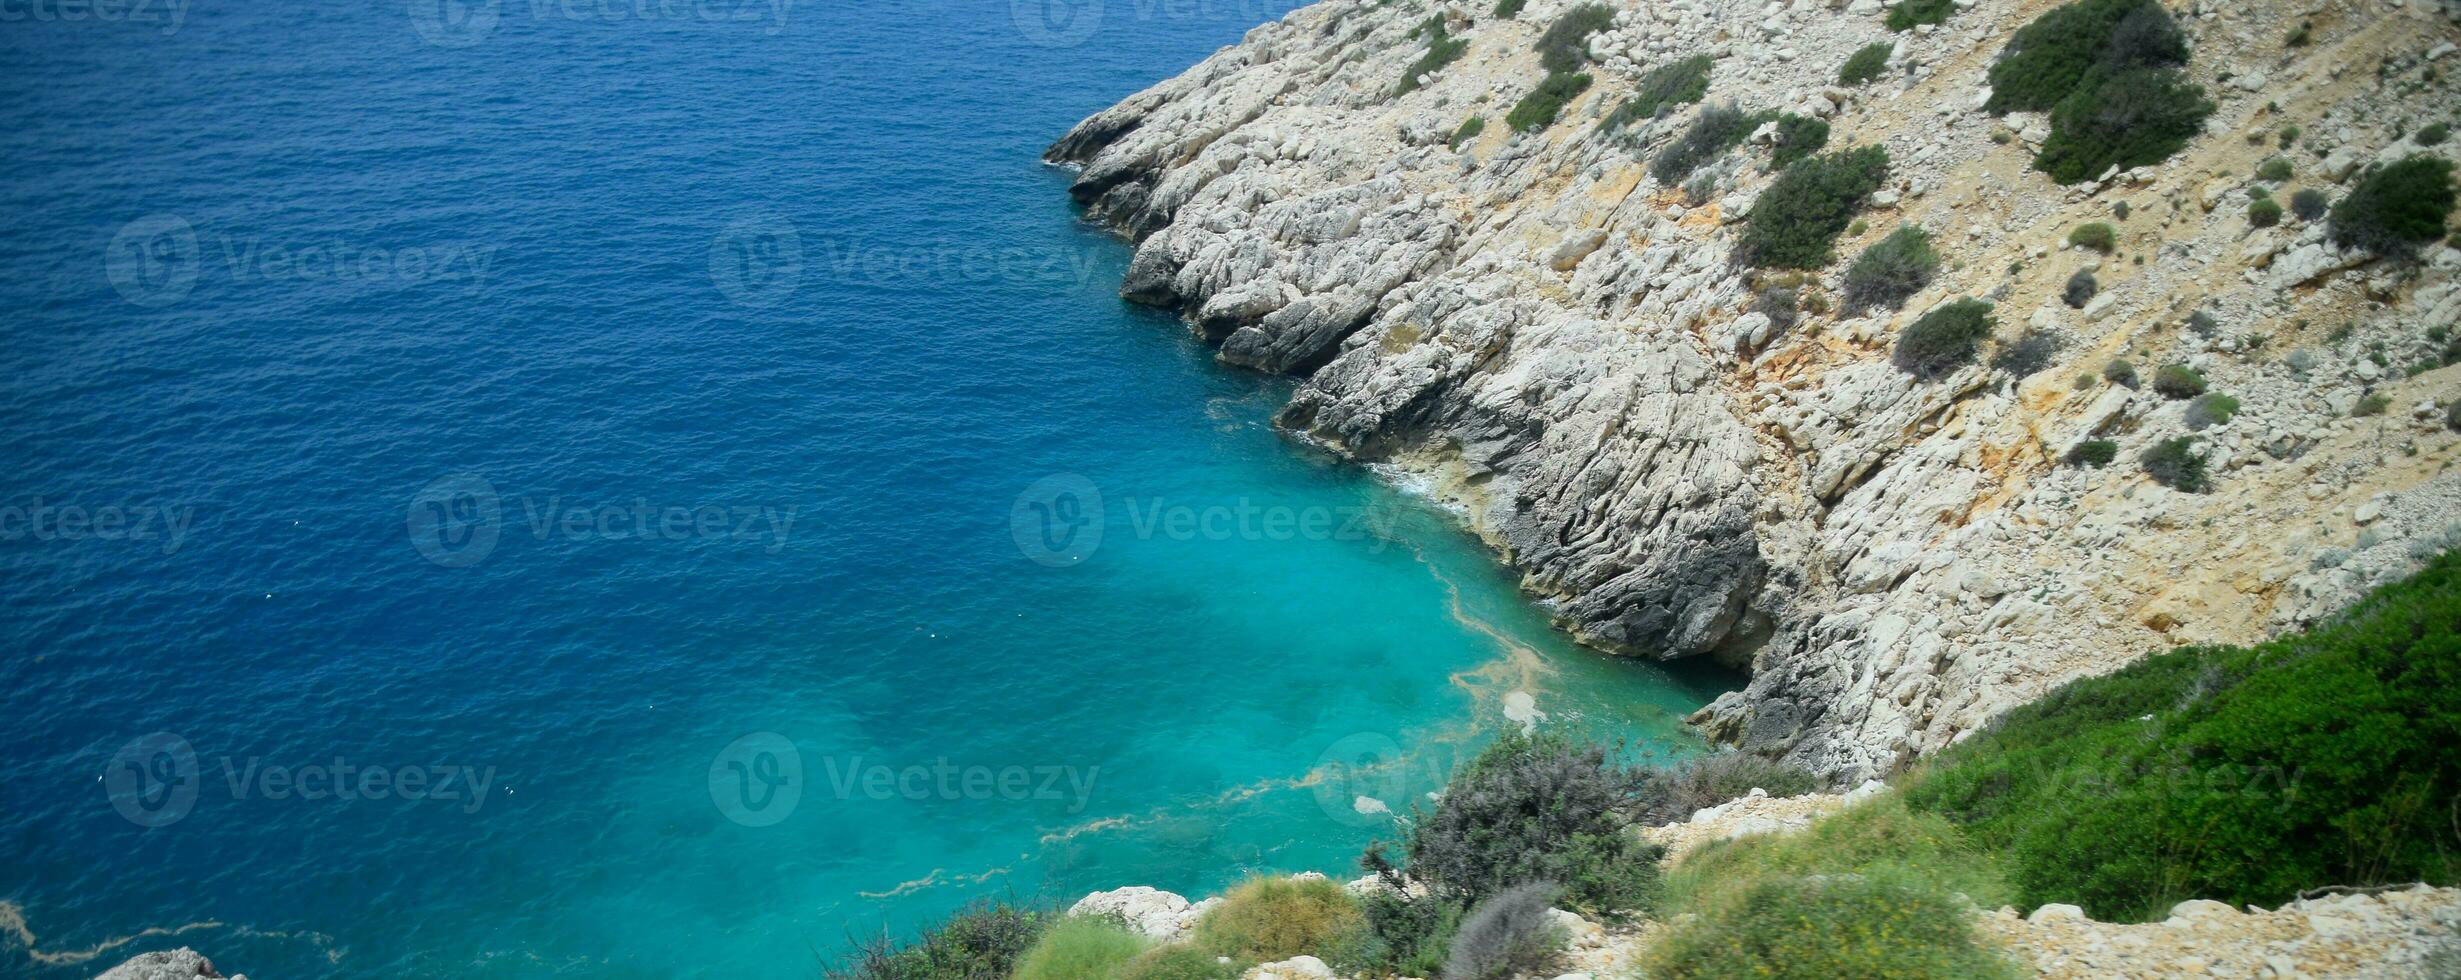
667,442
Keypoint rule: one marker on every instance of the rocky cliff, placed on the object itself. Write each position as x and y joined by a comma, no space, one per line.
1569,351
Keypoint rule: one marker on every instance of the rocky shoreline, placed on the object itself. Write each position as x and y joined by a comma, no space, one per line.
1563,343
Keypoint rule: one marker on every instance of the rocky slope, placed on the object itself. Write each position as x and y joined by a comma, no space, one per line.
1562,345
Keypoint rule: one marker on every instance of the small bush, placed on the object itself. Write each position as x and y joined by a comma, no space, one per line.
2395,208
1269,919
2178,381
2308,204
2274,169
1680,82
2202,323
2263,213
1509,9
2095,235
1780,305
1510,933
2431,134
1180,961
1077,947
1910,13
2048,59
2176,464
1533,808
2300,35
1795,223
982,941
1864,926
1892,269
2452,415
2093,453
2371,405
1564,48
2211,409
2027,355
2124,120
1537,110
2290,135
1405,936
1866,64
1674,794
2120,373
1944,339
2080,290
1717,129
1442,49
1470,128
1797,137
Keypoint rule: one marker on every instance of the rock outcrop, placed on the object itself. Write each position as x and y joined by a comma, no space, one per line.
1566,347
175,964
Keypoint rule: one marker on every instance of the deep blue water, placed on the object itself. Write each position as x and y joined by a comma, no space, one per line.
511,490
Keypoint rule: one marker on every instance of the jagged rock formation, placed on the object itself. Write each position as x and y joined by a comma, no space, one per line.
173,964
1564,346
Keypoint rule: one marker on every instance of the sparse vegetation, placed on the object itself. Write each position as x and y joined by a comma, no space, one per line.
2263,213
982,941
2079,290
1944,339
1509,9
1865,65
2309,204
1675,793
2093,453
1268,919
2274,169
1714,131
1537,110
2120,373
2095,235
1892,269
1564,48
1442,49
1505,935
2176,463
1180,961
1680,82
1795,223
2108,73
1779,304
2211,409
2396,208
1909,14
2128,119
2176,381
2371,404
1797,137
1532,808
1077,947
2027,355
2432,134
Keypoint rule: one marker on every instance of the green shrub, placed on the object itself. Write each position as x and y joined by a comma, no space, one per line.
2120,372
982,941
2079,290
1442,49
1781,304
2371,405
2047,60
2308,204
2431,134
1674,794
1180,961
2176,464
1797,137
2096,235
1866,64
1891,270
1944,339
2275,169
1510,933
1533,808
2211,409
1675,83
2128,119
1880,836
2396,208
1909,13
1795,223
2027,355
2094,453
2239,774
2178,381
1537,110
2263,213
1078,947
1715,130
1867,926
1404,936
1509,9
2300,35
1470,128
2452,415
1267,919
1564,48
